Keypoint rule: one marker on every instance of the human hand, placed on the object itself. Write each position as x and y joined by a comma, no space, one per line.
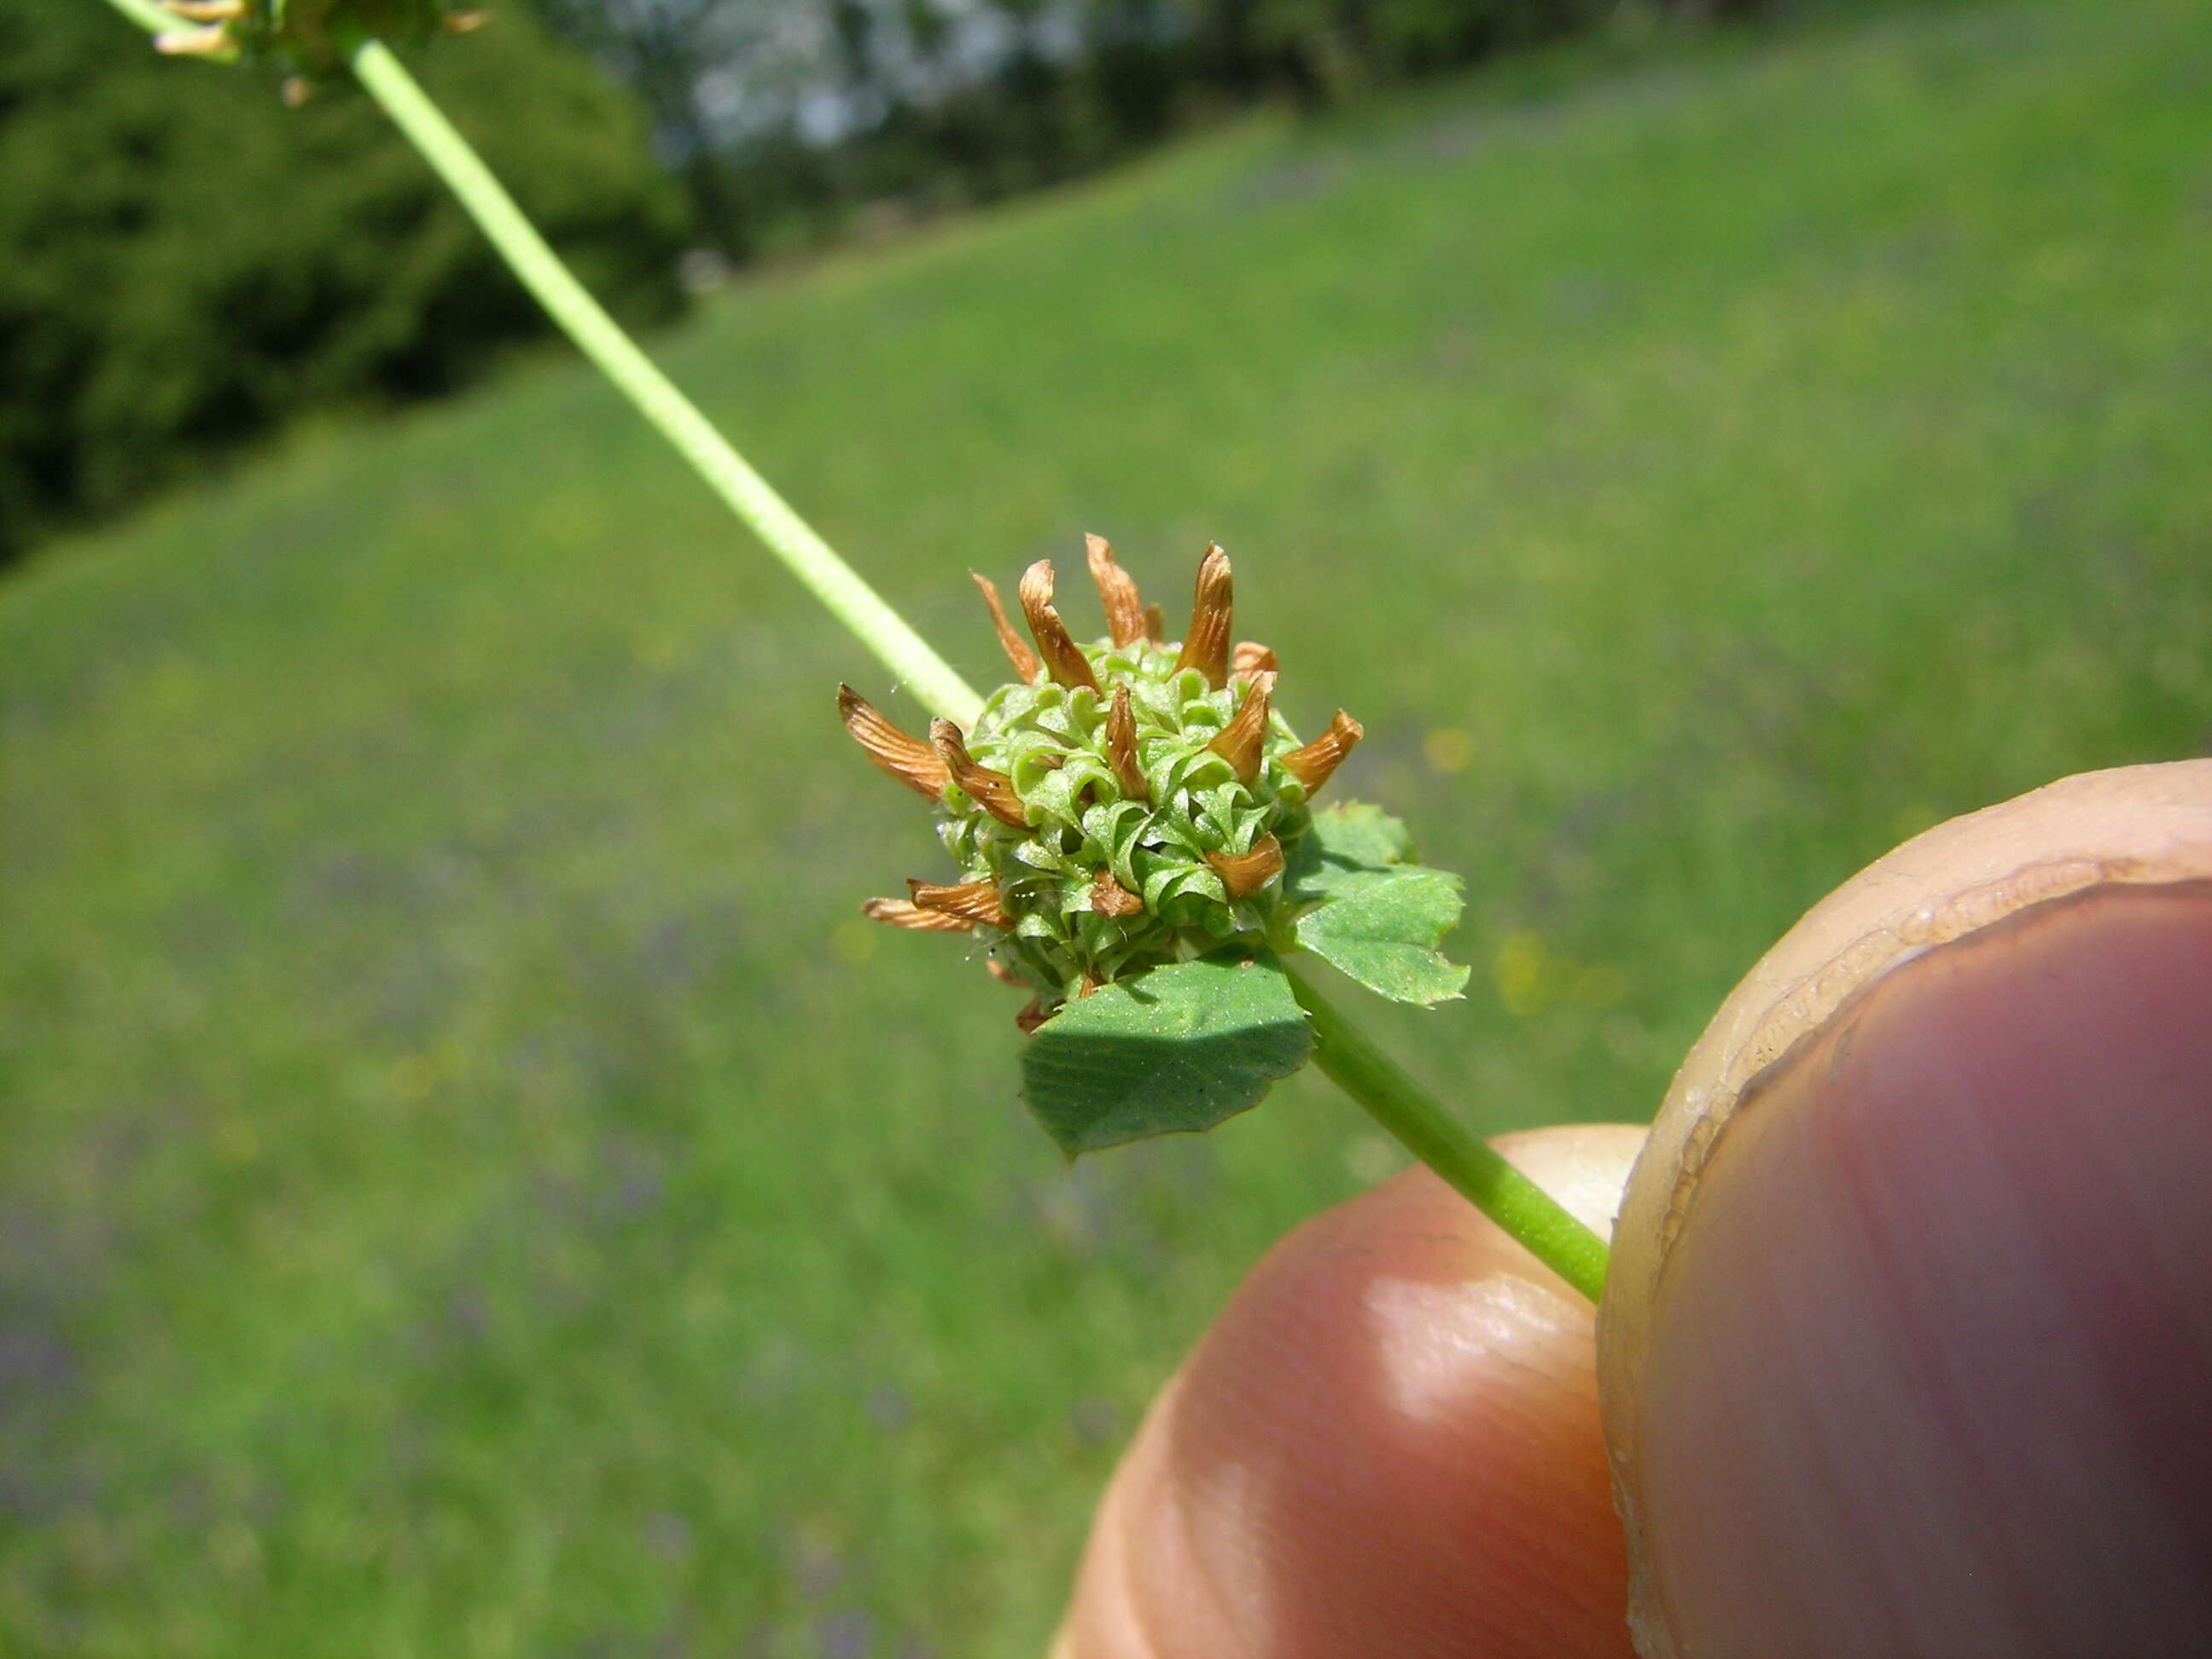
1926,1374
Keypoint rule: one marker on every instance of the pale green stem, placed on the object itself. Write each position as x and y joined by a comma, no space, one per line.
1516,1204
598,335
600,338
1475,1168
150,17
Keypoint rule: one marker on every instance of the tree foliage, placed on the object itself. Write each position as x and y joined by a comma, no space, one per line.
792,119
184,261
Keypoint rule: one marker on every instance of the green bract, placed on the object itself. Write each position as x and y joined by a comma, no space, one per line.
1120,805
1081,824
1135,846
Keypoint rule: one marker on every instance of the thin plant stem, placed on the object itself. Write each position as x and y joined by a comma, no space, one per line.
675,416
148,16
1371,1078
1473,1168
598,335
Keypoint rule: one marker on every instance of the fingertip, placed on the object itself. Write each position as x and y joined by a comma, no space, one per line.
1926,1373
1388,1442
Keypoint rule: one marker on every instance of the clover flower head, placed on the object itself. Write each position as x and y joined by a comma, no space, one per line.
1120,803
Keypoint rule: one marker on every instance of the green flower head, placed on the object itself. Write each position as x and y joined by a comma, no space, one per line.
1120,804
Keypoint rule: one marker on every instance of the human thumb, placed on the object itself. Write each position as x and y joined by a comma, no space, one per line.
1907,1347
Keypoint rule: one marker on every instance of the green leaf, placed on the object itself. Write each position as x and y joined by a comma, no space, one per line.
1376,919
1346,836
1382,928
1177,1048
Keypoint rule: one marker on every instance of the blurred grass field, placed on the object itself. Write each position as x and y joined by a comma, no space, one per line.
472,1183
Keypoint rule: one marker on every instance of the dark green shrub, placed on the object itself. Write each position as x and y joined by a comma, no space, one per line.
182,261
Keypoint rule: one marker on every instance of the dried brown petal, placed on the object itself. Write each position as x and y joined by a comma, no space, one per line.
900,913
1027,669
1000,971
1033,1016
1206,646
1248,659
971,901
1061,660
991,791
1156,623
1312,764
1245,874
1125,607
1121,747
1239,742
1109,898
911,760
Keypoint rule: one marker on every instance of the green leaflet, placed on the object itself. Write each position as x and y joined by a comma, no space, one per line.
1382,928
1177,1047
1347,835
1377,918
1180,1047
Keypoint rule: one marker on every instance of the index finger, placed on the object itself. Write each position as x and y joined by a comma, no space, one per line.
1388,1442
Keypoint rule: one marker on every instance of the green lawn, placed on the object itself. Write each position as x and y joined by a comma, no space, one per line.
473,1186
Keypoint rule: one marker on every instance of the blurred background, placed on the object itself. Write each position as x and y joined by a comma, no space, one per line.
472,1183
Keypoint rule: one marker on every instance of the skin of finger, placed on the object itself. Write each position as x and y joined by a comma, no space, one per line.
2134,825
1928,1376
2144,827
1388,1443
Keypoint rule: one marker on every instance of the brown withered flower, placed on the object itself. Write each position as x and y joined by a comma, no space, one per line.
1118,804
